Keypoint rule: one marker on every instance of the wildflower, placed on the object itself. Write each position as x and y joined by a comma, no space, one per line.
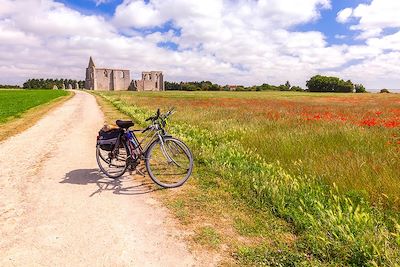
391,124
317,117
369,122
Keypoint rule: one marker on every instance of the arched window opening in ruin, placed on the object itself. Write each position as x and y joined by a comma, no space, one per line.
156,84
105,73
122,75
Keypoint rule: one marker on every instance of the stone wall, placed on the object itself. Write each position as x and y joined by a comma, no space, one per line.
112,79
151,81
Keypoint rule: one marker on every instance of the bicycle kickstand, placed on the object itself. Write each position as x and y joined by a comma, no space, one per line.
140,172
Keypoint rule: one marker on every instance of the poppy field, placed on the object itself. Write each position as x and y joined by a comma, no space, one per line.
328,164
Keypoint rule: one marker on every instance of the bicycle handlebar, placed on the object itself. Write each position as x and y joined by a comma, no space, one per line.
158,115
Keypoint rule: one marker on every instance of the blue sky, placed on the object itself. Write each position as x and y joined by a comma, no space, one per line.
90,7
328,25
228,42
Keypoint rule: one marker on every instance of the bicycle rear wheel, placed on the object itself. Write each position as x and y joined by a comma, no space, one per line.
112,163
169,165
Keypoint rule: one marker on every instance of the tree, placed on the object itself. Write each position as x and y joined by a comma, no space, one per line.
319,83
359,88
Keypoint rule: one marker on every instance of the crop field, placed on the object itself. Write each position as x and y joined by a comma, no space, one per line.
13,103
327,164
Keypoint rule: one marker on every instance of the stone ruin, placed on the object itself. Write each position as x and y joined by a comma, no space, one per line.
151,81
120,80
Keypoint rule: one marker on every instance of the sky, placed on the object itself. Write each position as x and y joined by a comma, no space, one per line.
245,42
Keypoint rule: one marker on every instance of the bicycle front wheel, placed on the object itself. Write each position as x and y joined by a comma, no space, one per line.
170,163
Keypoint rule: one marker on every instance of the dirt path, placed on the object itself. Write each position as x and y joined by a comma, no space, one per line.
57,210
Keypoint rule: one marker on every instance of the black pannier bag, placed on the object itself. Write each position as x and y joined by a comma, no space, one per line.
108,139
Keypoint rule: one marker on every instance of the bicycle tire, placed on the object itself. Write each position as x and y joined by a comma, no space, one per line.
100,158
157,177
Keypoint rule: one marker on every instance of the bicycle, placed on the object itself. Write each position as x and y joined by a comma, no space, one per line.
168,160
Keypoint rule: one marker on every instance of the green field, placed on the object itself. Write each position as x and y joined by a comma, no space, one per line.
326,164
13,103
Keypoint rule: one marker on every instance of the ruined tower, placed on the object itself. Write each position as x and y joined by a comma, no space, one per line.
151,81
106,79
90,76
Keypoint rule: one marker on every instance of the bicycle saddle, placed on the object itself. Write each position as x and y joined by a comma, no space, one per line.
124,124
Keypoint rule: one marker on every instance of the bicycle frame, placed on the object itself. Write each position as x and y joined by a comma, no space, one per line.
154,133
138,149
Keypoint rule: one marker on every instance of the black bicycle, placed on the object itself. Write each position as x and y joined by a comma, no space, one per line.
168,160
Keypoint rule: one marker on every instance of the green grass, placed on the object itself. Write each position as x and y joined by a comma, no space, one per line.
207,236
334,182
13,103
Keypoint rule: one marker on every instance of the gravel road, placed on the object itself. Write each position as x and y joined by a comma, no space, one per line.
56,209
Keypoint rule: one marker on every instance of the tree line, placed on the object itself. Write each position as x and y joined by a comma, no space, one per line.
8,86
317,83
50,83
209,86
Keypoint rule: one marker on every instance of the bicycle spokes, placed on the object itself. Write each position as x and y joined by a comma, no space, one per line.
169,162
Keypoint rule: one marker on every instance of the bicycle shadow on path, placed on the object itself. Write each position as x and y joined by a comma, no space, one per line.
125,185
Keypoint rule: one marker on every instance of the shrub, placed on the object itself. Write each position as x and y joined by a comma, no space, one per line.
297,89
359,88
384,91
283,87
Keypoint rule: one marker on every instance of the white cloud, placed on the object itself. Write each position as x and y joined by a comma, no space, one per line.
340,36
380,58
100,2
137,14
241,42
344,15
379,72
378,14
373,18
389,42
